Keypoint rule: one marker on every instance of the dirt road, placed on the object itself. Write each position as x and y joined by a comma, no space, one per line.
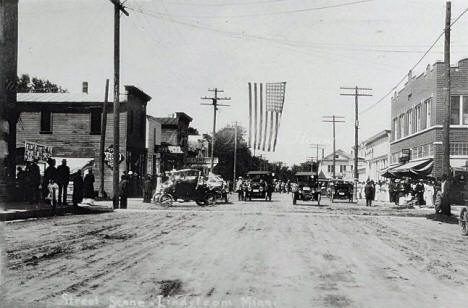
253,254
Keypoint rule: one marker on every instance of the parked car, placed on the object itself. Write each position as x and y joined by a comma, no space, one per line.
186,185
260,186
342,190
306,187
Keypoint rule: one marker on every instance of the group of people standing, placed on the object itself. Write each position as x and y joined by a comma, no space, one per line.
422,192
243,188
52,188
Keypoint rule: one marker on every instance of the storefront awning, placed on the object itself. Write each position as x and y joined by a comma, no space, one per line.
420,168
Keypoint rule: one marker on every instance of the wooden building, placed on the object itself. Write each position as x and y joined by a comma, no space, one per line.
71,124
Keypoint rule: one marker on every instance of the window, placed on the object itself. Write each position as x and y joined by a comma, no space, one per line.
394,127
423,116
402,126
410,122
465,110
342,168
459,149
154,135
418,118
455,110
95,121
46,122
428,112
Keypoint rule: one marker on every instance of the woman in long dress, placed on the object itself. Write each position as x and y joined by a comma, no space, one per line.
428,194
88,185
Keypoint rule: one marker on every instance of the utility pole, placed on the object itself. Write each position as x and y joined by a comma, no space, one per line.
446,127
333,119
118,7
317,146
215,105
8,86
102,143
235,154
356,95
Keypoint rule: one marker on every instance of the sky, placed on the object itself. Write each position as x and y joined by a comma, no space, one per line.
175,50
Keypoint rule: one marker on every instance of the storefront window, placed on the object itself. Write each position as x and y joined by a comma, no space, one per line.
465,110
455,110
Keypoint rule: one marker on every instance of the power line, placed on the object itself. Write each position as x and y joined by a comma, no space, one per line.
226,4
271,13
414,66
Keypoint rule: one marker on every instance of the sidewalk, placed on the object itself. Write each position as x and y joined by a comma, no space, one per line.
25,210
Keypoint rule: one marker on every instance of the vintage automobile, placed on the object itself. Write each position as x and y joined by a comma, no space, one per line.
260,185
306,187
342,190
219,187
186,185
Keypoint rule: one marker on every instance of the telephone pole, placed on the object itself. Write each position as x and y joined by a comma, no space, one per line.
102,143
235,154
118,7
8,113
333,119
317,146
446,126
356,95
215,105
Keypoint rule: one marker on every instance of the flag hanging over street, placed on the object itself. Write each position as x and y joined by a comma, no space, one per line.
264,126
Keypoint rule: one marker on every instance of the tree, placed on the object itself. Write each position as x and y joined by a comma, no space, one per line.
26,84
193,131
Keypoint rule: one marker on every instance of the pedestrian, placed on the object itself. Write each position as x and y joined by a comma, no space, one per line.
63,178
419,193
20,184
239,188
49,175
428,193
445,198
88,185
147,190
52,189
369,192
35,181
391,190
77,188
123,191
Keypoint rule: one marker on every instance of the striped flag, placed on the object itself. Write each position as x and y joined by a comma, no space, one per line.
265,109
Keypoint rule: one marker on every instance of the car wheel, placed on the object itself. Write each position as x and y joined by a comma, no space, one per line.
210,200
200,203
464,221
166,200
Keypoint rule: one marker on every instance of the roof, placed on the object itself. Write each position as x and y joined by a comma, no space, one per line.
134,90
329,157
168,121
306,173
258,172
379,135
58,98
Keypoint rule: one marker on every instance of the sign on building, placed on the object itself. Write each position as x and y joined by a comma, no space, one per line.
37,151
109,157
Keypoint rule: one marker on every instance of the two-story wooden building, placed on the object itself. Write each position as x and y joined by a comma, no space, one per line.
70,123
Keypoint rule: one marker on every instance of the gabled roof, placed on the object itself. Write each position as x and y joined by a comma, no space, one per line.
379,135
338,152
168,121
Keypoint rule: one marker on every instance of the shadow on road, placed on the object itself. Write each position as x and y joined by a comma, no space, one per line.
443,218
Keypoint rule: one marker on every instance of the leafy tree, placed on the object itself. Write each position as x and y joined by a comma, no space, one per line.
26,84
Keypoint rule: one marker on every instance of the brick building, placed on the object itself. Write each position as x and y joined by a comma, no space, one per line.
417,115
71,124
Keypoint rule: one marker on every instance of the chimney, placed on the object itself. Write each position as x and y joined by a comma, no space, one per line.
85,87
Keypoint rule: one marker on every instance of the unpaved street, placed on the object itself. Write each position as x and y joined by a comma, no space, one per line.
253,254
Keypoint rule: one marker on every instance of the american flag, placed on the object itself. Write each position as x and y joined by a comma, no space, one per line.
264,123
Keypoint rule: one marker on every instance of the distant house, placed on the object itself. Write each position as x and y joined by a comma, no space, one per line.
344,164
70,123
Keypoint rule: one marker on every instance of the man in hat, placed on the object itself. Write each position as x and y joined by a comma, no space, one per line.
34,174
239,188
63,178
